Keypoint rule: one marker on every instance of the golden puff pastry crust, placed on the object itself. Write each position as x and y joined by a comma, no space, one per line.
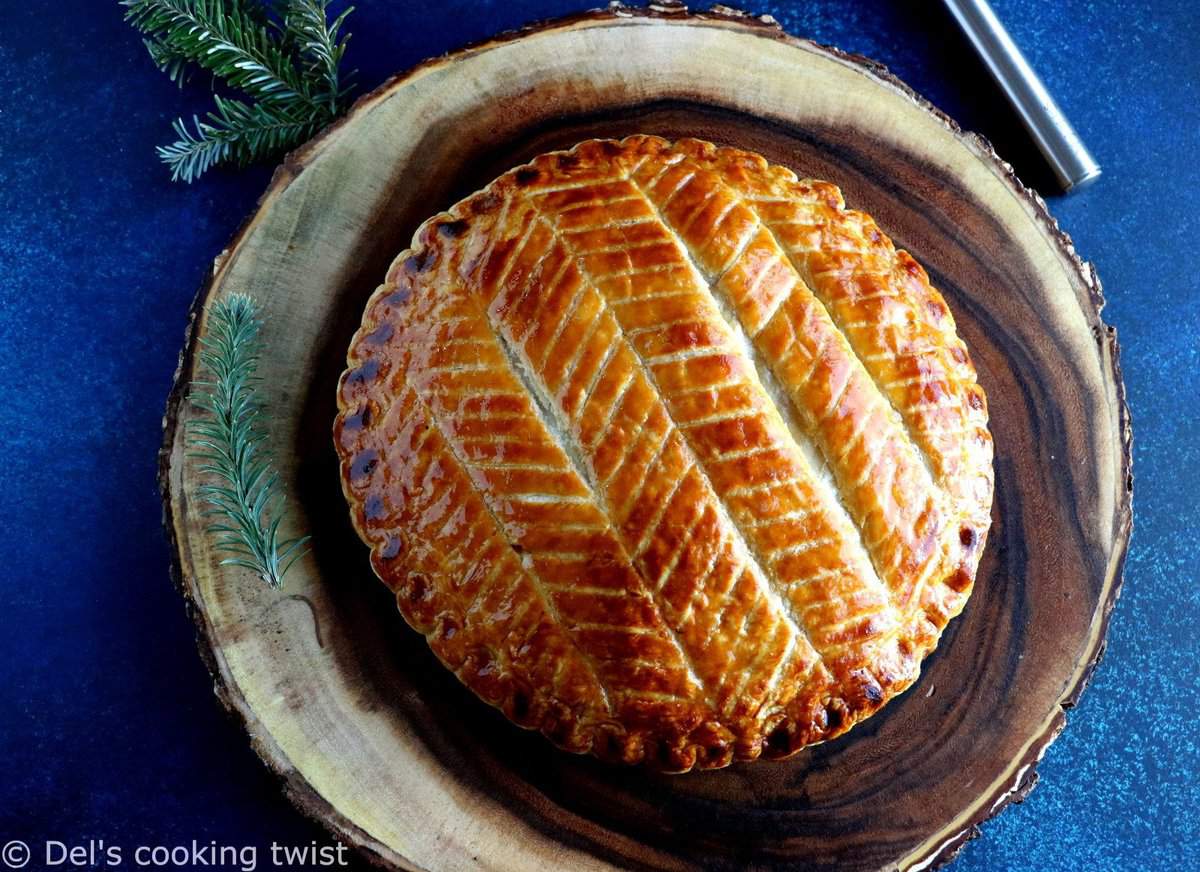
667,453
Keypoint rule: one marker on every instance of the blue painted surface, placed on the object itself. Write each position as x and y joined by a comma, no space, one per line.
108,728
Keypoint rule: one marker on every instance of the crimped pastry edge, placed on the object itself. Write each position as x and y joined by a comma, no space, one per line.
777,736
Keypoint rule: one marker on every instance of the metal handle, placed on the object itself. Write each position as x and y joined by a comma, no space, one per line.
1073,165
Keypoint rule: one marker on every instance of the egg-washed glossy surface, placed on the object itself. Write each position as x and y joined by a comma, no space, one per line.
667,453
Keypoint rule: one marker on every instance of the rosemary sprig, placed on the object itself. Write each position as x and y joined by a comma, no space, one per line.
246,502
282,55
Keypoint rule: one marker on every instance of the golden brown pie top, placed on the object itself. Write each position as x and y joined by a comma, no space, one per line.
667,453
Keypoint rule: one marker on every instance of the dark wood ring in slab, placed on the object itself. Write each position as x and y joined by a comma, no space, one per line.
376,740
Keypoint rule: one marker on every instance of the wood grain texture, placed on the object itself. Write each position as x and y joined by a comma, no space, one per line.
374,738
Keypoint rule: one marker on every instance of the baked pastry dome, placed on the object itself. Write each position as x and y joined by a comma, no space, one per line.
667,453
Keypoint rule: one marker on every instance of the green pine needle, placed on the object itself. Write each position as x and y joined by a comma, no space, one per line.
319,43
169,61
244,502
282,55
236,132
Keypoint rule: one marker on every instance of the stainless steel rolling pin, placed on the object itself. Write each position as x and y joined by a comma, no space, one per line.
1073,165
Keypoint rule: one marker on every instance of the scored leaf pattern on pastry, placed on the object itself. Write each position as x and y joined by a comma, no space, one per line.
667,453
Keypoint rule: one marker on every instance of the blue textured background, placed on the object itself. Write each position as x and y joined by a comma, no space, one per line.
108,728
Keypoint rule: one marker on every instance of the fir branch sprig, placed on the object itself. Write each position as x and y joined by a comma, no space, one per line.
237,132
320,44
245,504
284,56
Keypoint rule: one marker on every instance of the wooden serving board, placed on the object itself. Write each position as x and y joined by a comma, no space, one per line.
375,739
